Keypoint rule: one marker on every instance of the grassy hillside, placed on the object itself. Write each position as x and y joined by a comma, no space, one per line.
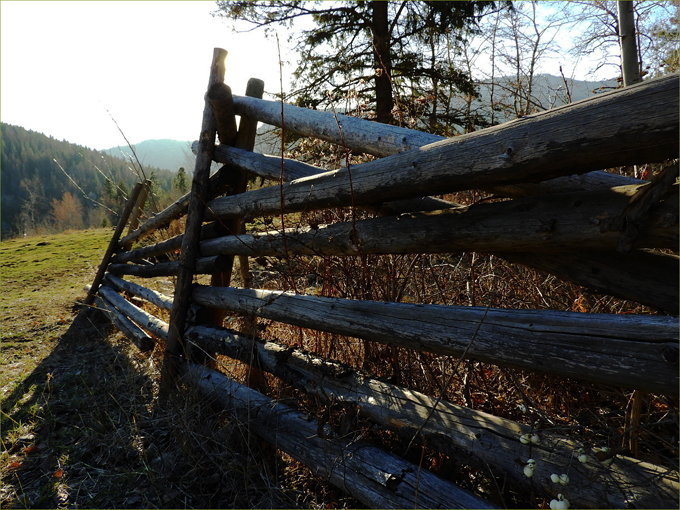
81,423
42,277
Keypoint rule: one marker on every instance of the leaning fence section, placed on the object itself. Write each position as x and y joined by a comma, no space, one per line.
558,213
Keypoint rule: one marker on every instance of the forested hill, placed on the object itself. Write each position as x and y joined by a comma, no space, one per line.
38,195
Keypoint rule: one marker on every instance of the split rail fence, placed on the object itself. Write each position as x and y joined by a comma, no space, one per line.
610,233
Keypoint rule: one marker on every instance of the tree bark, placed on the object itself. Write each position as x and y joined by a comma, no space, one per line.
630,66
639,352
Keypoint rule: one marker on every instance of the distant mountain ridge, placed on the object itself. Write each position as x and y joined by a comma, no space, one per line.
548,91
37,171
165,154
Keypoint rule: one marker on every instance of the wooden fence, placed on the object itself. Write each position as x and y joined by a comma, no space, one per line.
609,233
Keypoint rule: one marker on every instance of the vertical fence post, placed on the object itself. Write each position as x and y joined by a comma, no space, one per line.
174,346
137,212
113,244
245,139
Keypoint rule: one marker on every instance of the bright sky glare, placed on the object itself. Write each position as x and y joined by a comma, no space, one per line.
64,64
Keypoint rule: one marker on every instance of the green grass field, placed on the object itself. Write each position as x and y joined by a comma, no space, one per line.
41,279
81,423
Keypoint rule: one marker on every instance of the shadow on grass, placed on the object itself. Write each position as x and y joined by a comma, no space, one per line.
85,429
69,430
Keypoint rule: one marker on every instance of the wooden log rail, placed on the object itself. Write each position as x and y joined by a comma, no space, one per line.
208,231
554,223
301,120
369,474
646,277
452,429
614,280
204,265
357,134
569,225
219,182
154,297
638,124
638,352
113,244
131,330
144,319
270,167
495,443
642,276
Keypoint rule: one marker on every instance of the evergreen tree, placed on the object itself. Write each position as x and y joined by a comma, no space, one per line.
156,189
371,52
180,182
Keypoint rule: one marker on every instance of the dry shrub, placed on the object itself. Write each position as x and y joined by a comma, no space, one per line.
594,414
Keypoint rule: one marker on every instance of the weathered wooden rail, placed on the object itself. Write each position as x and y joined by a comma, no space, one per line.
561,213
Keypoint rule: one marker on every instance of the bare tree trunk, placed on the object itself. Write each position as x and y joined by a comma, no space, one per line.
629,55
383,62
